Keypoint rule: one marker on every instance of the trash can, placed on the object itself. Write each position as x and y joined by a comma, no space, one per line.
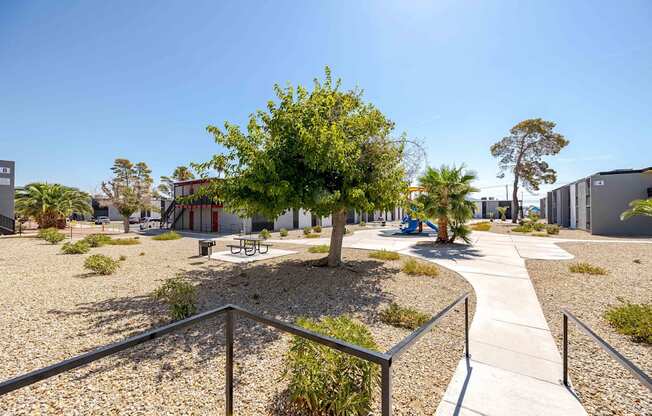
206,247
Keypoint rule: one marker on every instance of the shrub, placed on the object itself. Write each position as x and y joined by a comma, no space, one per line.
53,236
317,229
552,229
401,317
537,226
142,253
313,236
101,264
324,381
180,296
384,255
122,258
522,229
80,247
586,268
97,240
264,234
417,268
123,242
307,230
481,226
322,248
632,320
363,224
45,231
283,232
170,235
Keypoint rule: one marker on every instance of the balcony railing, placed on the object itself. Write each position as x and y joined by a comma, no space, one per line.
385,360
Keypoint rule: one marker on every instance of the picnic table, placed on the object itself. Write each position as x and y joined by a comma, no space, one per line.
249,244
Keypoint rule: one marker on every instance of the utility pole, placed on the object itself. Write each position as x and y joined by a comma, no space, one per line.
506,192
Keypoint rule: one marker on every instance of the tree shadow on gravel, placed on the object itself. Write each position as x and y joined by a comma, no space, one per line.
283,290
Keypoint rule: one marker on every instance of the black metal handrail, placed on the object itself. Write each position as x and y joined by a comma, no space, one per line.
8,223
385,360
629,366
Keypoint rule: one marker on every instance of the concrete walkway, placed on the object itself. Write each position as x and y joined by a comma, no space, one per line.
515,367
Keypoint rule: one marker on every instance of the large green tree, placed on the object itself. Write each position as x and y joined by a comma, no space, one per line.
324,150
49,204
166,186
130,189
522,153
445,200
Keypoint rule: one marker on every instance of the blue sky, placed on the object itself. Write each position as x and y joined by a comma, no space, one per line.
84,82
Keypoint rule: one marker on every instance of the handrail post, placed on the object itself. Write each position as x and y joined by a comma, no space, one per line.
229,363
466,326
565,358
386,386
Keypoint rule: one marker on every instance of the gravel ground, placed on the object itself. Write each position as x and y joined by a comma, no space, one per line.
564,233
603,386
53,309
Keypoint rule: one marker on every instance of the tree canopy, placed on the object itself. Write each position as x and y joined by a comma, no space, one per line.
522,153
51,204
130,189
324,150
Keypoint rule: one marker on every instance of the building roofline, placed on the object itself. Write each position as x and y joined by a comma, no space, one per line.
194,181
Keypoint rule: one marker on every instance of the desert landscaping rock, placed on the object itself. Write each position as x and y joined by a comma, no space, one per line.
53,310
602,385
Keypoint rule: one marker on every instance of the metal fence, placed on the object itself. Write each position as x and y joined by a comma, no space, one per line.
385,360
629,366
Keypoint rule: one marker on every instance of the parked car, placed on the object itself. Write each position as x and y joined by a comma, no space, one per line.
150,223
134,220
102,220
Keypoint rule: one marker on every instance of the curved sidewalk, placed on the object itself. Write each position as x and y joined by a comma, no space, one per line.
515,367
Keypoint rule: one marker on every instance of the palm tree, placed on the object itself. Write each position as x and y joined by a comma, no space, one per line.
51,204
638,207
446,190
181,173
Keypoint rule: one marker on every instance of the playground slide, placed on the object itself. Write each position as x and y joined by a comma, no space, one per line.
411,226
431,225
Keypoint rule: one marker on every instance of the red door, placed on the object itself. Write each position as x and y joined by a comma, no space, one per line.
215,221
191,220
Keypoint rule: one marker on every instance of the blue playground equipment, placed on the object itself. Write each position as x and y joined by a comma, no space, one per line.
411,226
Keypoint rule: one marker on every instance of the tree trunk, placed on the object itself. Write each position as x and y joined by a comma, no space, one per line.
515,201
125,224
442,233
334,258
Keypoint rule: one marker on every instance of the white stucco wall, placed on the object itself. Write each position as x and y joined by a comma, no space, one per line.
304,218
284,221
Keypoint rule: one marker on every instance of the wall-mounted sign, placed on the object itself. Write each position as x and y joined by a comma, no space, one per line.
5,181
598,183
5,170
